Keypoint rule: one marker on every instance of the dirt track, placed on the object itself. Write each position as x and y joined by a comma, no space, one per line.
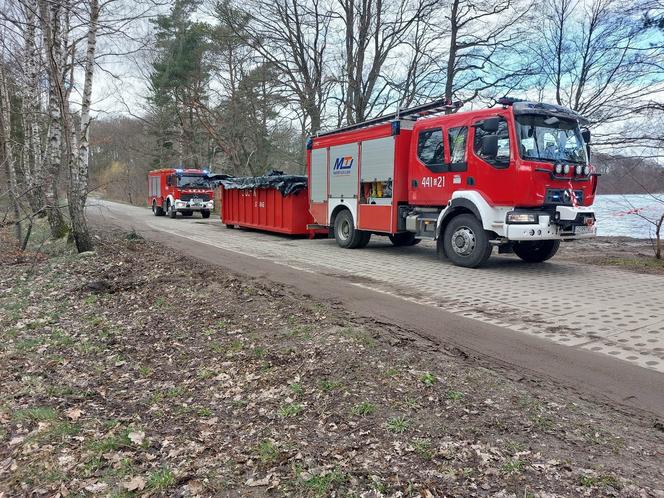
600,376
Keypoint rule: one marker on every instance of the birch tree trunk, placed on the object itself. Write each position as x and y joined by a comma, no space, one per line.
78,166
32,164
51,17
6,152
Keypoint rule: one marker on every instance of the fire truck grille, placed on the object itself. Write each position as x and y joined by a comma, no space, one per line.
201,196
562,196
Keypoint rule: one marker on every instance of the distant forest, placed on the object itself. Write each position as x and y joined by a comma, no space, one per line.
628,175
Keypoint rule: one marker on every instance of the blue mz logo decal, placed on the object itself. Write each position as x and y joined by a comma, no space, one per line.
342,165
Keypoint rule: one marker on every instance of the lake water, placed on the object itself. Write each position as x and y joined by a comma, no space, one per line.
615,215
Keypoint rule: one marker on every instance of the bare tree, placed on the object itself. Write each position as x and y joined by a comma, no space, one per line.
373,30
596,59
485,48
293,36
79,163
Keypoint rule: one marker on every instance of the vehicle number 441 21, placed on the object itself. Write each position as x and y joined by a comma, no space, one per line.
433,181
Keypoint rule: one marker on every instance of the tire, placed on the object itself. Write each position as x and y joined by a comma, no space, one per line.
205,214
157,210
465,241
536,251
364,242
172,213
345,233
404,239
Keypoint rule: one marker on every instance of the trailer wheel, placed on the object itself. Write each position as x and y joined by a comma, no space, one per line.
536,251
157,210
172,213
404,239
345,232
465,241
205,214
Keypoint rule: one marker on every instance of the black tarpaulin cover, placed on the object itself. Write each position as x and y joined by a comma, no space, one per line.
285,184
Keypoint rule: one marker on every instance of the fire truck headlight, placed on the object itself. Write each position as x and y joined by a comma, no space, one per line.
558,168
579,170
566,169
521,218
586,170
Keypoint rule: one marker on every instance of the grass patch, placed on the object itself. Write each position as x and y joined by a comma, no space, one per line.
161,479
328,385
398,424
296,388
363,409
428,379
290,410
322,484
514,466
423,448
454,395
360,336
37,414
267,452
600,480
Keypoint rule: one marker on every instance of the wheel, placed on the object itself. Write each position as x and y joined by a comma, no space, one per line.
465,242
404,239
172,213
205,214
157,210
345,232
364,242
536,251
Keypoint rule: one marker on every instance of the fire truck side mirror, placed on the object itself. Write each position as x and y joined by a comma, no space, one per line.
585,133
490,146
490,125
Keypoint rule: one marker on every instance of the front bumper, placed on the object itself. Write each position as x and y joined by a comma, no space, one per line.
194,206
566,223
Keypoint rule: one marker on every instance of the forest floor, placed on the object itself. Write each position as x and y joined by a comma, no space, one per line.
134,370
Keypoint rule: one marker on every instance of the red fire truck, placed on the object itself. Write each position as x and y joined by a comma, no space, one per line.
172,191
516,176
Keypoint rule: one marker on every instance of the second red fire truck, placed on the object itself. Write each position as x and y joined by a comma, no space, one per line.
184,191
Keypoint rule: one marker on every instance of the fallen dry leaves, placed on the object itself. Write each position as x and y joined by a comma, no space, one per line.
138,371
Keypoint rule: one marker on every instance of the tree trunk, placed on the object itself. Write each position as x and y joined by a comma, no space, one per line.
6,152
32,163
451,60
78,166
51,16
658,237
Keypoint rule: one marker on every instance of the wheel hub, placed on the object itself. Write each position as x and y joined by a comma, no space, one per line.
345,229
463,241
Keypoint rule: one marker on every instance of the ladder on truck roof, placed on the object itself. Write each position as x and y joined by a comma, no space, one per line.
412,114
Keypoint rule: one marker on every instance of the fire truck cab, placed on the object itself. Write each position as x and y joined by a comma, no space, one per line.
172,191
515,176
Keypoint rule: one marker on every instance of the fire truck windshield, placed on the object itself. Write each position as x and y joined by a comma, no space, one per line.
192,181
544,138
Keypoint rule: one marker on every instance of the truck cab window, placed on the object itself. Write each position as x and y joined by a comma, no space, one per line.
502,159
457,140
430,149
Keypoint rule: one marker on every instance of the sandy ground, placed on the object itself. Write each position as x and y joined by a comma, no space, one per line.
138,371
